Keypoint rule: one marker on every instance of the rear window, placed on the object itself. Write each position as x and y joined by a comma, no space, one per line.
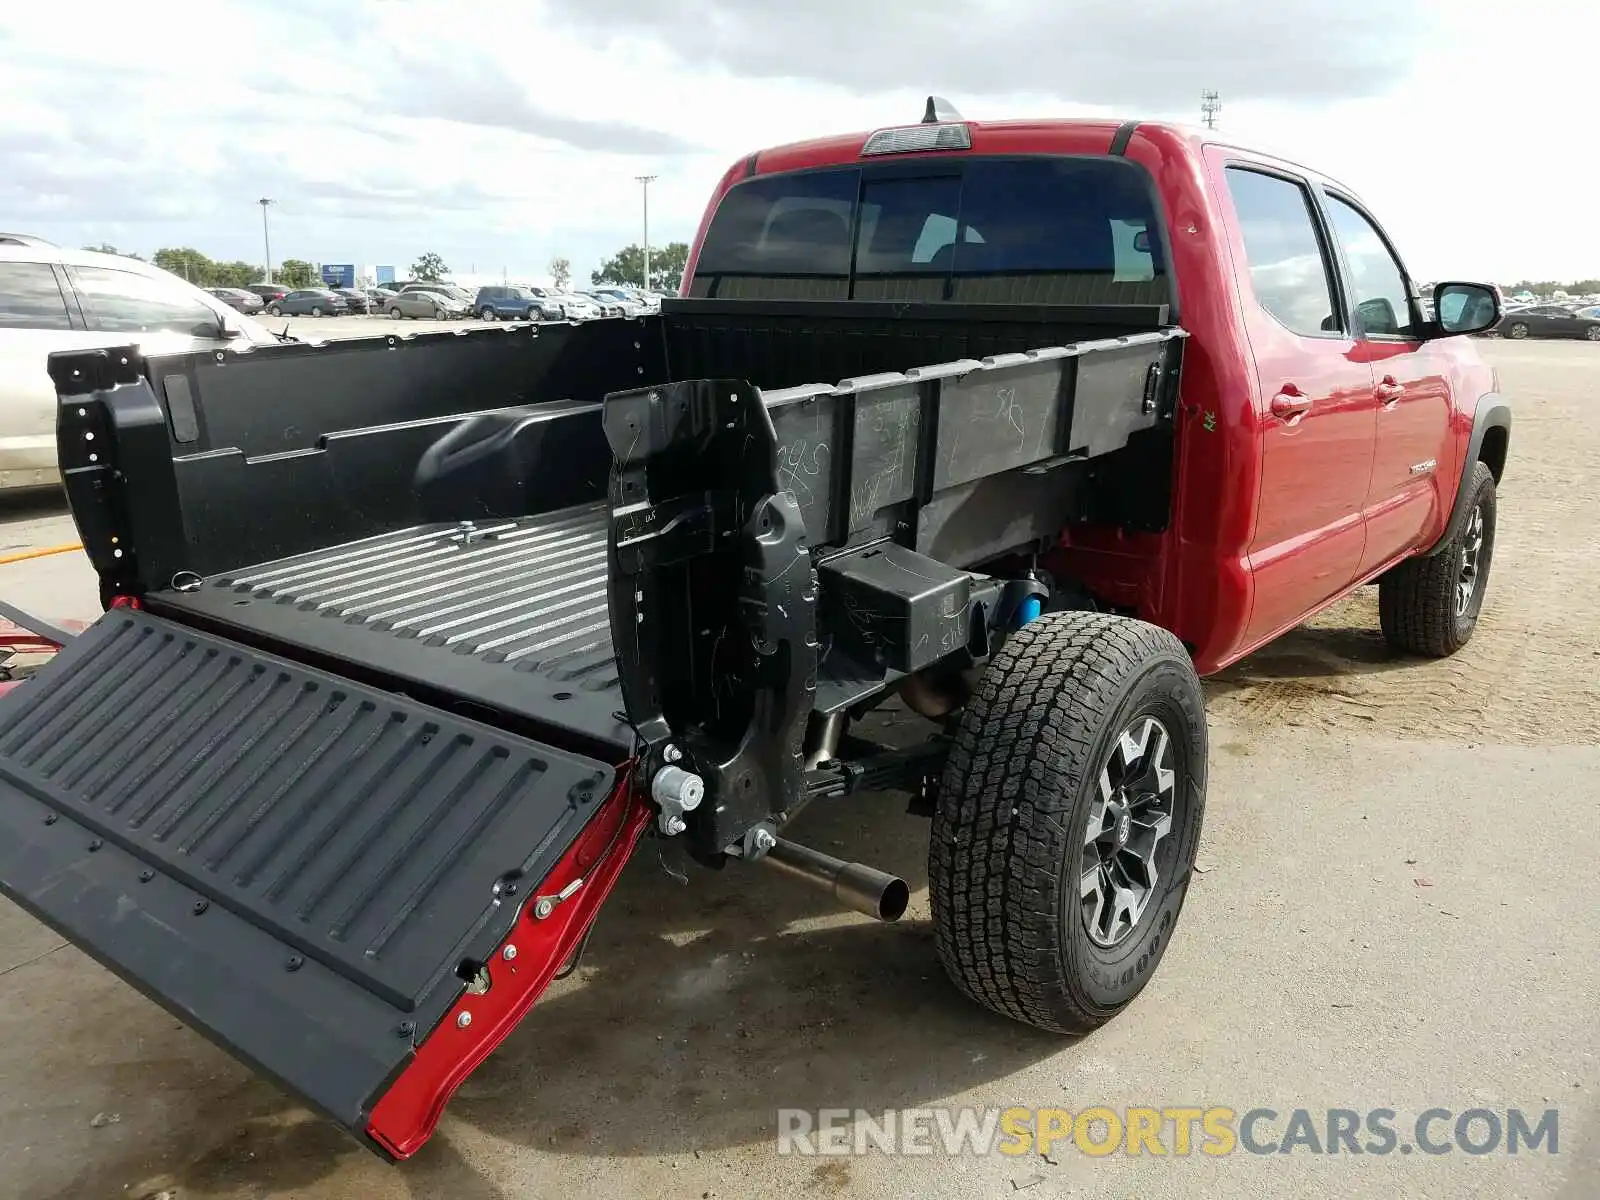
1035,230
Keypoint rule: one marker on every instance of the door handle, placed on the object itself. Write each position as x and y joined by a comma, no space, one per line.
1290,404
1389,390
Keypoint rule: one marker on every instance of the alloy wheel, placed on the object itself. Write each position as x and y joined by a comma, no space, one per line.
1128,817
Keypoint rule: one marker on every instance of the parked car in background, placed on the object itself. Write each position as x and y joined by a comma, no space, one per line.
309,302
1592,310
379,297
355,298
427,305
632,304
547,301
55,299
576,307
269,291
508,303
440,288
1548,321
239,300
608,306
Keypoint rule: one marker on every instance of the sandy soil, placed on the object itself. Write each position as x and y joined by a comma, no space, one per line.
1313,966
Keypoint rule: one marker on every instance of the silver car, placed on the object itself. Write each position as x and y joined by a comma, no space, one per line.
57,299
435,306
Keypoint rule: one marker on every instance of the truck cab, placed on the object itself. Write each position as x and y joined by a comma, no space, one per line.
1323,435
411,641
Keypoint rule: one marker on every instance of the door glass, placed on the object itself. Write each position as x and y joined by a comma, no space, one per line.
1382,298
1288,270
30,299
127,303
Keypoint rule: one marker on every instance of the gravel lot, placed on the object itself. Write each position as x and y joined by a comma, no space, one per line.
1399,909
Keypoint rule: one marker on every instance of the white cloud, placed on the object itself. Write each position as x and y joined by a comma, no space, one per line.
499,135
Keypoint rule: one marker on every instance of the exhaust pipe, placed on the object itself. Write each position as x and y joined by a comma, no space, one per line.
861,888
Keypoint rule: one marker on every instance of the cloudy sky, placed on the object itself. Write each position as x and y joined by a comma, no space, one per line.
500,134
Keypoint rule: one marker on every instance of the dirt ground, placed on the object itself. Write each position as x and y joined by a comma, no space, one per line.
1398,909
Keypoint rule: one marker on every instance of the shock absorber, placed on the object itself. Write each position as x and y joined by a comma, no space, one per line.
1033,595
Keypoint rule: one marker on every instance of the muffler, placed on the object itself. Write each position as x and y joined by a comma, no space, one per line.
864,889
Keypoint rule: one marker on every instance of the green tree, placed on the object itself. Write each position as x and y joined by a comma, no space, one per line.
626,266
561,272
234,274
296,272
186,263
429,268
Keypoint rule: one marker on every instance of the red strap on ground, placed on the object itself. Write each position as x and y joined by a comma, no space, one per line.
405,1117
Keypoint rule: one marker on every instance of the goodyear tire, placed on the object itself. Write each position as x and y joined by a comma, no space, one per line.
1068,818
1430,605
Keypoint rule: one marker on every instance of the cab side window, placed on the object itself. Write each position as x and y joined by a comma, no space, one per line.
1288,269
123,302
1383,302
30,298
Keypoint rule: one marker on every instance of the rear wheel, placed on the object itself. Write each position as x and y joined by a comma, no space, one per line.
1068,819
1517,330
316,310
487,313
1430,605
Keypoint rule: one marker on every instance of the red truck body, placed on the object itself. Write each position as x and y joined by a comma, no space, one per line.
274,852
1274,518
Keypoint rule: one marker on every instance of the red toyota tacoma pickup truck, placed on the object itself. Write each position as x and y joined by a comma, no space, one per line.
410,640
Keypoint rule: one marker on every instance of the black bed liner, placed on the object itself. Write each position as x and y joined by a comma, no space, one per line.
509,616
294,863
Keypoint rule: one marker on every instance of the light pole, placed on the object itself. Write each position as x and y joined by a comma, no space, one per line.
266,240
646,180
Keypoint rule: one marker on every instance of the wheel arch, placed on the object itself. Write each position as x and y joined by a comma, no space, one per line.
1489,443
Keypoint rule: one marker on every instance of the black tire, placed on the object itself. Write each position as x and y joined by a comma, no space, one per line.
1592,333
316,310
1419,602
1010,831
487,313
1517,330
275,310
396,314
531,315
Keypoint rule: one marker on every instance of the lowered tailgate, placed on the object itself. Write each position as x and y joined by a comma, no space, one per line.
308,870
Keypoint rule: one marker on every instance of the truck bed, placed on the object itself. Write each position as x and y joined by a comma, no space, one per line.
508,615
358,685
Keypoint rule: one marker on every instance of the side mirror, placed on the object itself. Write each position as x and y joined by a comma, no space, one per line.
1465,308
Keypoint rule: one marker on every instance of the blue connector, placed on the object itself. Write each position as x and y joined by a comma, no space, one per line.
1029,609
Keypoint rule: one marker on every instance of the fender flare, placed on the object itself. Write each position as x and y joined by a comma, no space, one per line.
1493,413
